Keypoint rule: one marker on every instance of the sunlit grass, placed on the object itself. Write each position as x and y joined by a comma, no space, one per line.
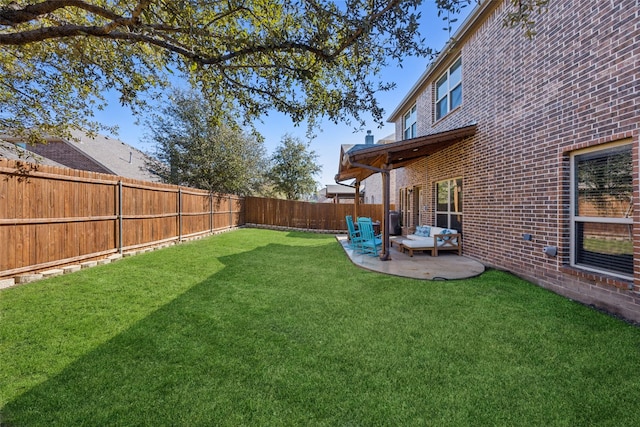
608,246
257,327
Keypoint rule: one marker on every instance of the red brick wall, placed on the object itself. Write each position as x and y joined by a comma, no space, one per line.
66,155
575,85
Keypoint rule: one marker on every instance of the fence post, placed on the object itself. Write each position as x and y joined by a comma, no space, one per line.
179,214
120,219
210,212
230,213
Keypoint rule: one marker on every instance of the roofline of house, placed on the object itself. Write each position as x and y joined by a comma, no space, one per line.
75,145
453,45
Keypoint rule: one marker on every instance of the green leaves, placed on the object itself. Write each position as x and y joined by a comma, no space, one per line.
251,56
304,58
523,13
199,149
293,169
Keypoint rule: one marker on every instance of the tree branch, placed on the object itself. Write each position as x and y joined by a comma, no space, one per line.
12,15
370,19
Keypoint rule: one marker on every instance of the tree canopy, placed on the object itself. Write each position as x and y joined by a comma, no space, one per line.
306,58
197,151
293,168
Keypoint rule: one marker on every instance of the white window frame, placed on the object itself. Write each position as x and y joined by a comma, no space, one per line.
575,219
445,80
449,213
410,123
405,207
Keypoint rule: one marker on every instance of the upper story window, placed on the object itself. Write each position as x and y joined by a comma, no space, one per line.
602,210
449,90
409,123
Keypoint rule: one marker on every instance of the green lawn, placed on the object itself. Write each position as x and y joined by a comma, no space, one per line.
614,247
257,327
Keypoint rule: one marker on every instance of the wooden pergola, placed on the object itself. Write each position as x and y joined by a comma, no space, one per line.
361,161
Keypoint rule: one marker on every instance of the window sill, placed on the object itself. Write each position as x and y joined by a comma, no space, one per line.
599,278
437,121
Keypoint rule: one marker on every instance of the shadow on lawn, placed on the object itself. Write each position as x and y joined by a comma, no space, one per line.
308,235
209,357
271,340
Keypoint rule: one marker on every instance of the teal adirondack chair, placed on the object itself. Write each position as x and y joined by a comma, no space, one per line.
355,239
370,242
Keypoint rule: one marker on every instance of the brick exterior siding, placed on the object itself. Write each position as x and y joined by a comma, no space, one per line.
66,155
576,84
373,188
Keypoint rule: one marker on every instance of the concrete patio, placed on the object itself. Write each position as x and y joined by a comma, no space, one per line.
446,266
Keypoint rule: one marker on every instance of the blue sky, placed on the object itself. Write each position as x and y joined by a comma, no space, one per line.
329,136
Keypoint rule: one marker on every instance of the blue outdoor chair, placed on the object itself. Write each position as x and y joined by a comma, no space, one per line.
355,239
370,242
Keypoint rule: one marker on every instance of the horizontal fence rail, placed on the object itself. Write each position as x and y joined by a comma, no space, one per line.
51,216
304,215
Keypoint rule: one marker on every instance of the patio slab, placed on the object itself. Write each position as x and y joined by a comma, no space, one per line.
446,266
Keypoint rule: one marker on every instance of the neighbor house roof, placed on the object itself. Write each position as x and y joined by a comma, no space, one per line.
340,191
117,156
100,153
12,151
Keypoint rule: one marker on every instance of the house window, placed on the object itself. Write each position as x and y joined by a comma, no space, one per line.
449,90
602,210
405,208
410,121
416,197
401,206
449,204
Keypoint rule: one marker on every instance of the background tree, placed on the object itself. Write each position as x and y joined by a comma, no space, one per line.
606,181
293,169
306,58
197,150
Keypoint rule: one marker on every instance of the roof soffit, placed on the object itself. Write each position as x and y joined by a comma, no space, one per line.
357,164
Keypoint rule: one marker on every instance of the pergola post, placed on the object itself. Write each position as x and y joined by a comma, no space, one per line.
356,201
386,196
361,161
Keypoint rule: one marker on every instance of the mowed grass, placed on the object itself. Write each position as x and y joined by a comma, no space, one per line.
257,327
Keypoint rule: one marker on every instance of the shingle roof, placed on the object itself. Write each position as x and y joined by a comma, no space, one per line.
13,152
117,156
98,154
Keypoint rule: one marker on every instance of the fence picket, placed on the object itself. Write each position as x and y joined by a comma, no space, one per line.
52,216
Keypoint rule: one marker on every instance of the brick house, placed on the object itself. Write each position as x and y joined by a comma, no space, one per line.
371,186
97,153
544,182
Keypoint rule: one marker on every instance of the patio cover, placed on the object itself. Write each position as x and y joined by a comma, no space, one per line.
396,154
363,160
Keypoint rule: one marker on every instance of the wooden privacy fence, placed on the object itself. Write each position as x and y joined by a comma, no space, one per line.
52,216
304,215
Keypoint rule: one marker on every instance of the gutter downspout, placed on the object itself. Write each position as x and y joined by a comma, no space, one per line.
386,192
356,200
